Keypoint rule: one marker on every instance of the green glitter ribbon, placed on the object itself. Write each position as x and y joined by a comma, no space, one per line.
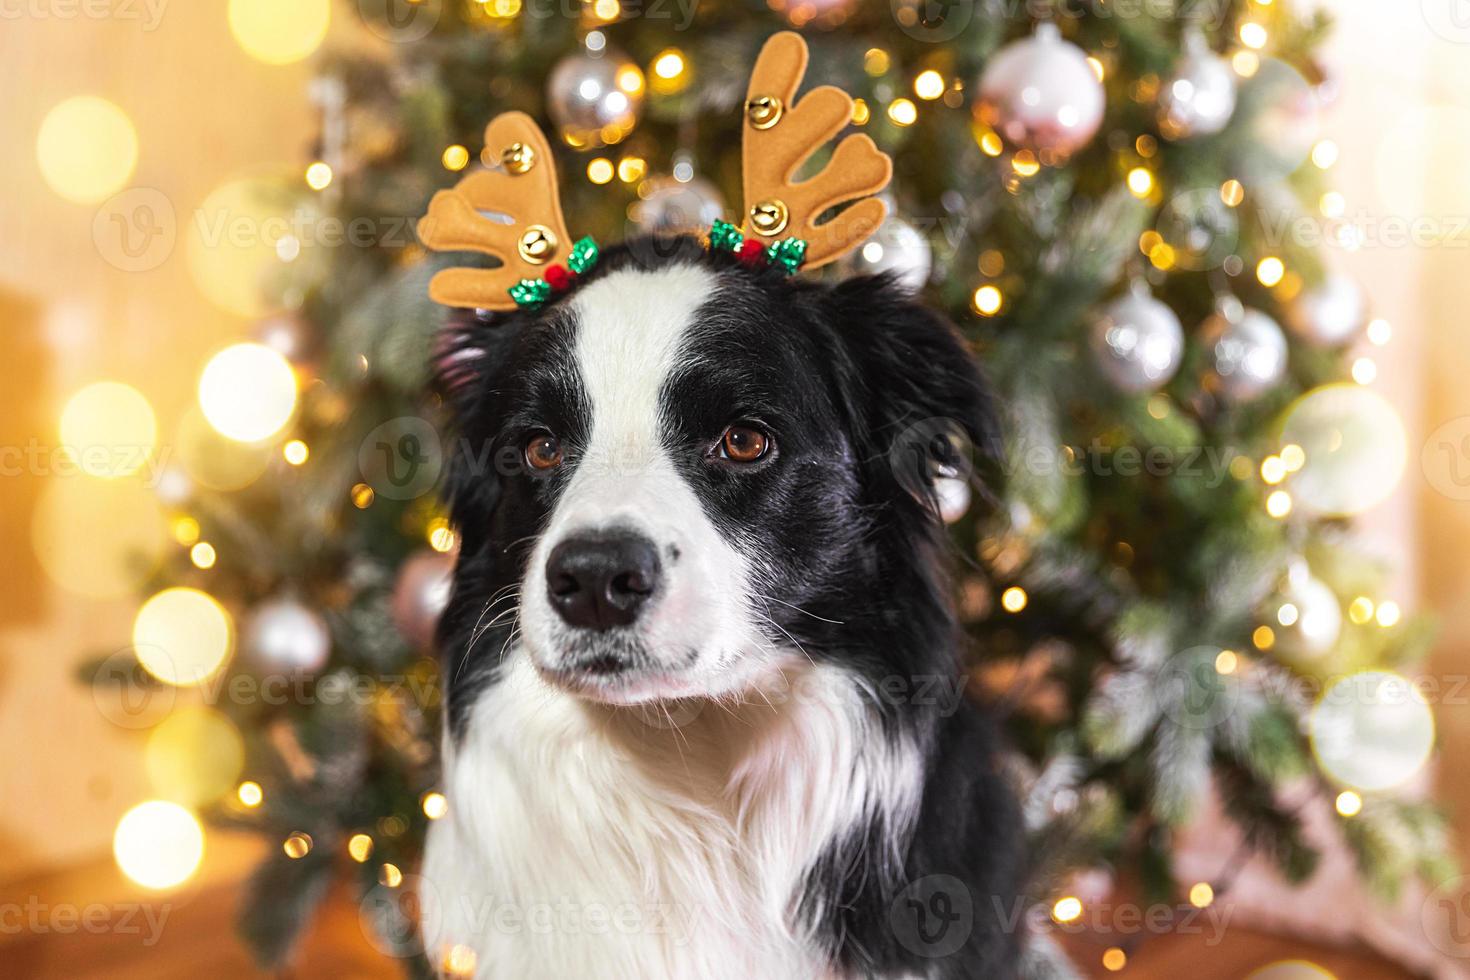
531,293
788,253
584,255
724,237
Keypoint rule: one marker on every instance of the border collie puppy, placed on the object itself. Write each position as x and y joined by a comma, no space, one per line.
704,699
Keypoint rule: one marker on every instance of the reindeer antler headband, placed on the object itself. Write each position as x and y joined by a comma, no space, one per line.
539,258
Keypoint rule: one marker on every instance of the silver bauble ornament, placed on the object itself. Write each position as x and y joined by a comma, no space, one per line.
1330,314
897,247
419,596
1137,342
1305,616
285,635
594,98
1200,97
1041,93
667,205
953,496
1246,354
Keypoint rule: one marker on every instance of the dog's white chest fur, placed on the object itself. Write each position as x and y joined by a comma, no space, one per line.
585,841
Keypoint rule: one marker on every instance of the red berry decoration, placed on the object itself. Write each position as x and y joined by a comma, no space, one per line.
559,278
751,252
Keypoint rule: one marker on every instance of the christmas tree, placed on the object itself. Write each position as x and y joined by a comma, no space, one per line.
1167,582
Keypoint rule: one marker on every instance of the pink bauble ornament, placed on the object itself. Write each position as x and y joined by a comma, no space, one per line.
1041,94
420,595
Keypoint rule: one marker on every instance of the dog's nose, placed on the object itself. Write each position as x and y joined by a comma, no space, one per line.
599,582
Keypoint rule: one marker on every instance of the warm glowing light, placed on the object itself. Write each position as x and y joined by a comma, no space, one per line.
600,170
1332,205
876,61
1114,959
632,169
158,844
630,79
194,756
1202,895
1013,599
1227,662
988,300
929,85
1372,731
1380,332
455,157
1288,614
1162,256
903,112
108,429
435,805
181,636
1365,370
1253,35
860,112
247,392
362,496
296,452
360,847
186,530
441,537
1278,504
318,176
1360,610
607,10
203,555
1245,63
278,32
1026,164
297,845
1232,192
390,875
1293,457
1270,271
1264,638
459,961
250,794
1324,154
1388,613
1096,65
86,149
1067,909
991,144
1140,182
669,64
1273,470
1349,804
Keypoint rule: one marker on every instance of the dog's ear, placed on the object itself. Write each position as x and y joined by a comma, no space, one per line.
923,405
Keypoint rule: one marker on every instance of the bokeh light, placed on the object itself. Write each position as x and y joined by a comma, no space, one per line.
1291,970
158,844
279,32
213,461
1354,445
1372,731
86,149
239,235
108,429
194,756
248,392
182,636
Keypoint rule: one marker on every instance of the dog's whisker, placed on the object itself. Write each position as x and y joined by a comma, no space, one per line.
804,612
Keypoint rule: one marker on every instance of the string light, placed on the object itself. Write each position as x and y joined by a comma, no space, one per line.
389,875
669,71
1360,610
1332,205
1162,256
903,112
186,530
988,300
441,536
1349,804
990,142
1288,614
1293,457
247,392
362,496
1140,182
1388,613
318,176
1202,895
1324,154
1380,332
1097,67
1114,959
296,452
1226,662
1026,164
631,169
279,32
459,961
1232,193
455,157
434,805
600,170
1273,470
360,847
1264,638
86,149
1270,271
1245,63
108,429
876,62
250,794
1014,599
297,845
1365,371
860,112
1067,909
1253,35
929,85
1278,504
203,555
181,636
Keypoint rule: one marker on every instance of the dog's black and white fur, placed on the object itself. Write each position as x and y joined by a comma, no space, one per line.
741,766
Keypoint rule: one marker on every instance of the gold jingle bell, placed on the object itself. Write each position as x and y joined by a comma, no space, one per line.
517,158
769,218
537,244
763,111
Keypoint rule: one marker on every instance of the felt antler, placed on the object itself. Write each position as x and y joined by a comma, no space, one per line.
523,188
780,134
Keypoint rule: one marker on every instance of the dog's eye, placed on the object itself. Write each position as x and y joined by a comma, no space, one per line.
745,444
543,451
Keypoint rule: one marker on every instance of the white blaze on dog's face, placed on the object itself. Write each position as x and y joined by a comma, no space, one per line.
632,593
